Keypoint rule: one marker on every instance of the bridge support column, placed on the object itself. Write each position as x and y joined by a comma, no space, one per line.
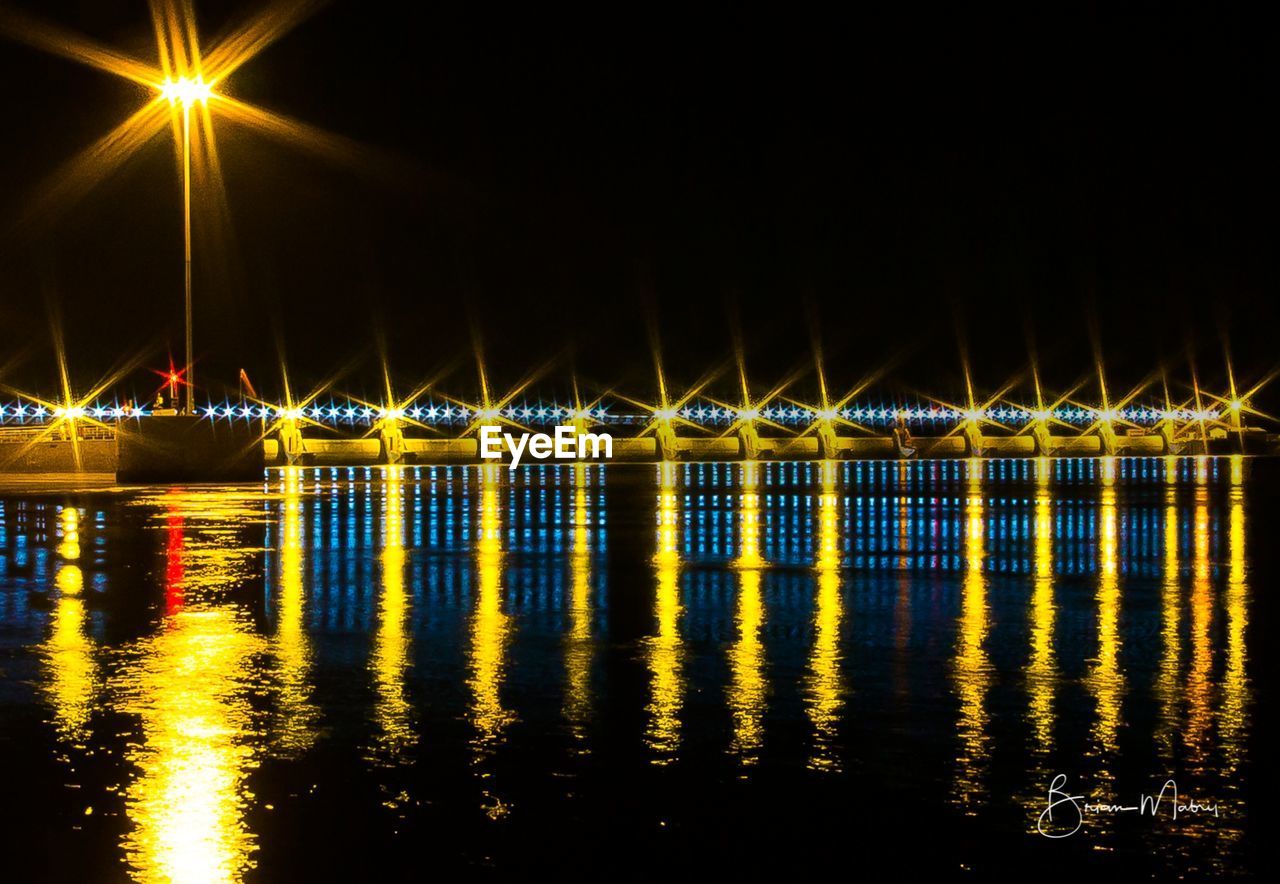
1108,435
973,439
391,437
667,443
1044,441
827,442
902,443
750,441
1236,423
290,438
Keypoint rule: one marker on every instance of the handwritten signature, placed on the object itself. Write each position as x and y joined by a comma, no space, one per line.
1071,810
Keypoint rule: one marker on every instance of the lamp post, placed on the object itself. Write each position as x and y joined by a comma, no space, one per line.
187,91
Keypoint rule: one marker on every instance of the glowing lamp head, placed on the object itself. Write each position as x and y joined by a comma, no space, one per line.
825,414
974,415
664,414
1236,405
1040,414
186,90
748,414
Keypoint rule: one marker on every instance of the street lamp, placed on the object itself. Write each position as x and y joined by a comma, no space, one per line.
187,91
187,75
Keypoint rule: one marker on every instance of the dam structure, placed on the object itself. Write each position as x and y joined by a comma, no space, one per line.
233,439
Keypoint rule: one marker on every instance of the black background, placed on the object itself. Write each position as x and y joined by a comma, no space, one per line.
911,180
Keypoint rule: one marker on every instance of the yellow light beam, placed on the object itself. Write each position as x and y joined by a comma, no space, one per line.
68,44
255,35
313,139
77,176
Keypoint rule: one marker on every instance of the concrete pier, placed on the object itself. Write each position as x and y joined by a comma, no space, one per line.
187,449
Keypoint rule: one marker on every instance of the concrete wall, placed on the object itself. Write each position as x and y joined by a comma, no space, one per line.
59,456
188,449
1008,446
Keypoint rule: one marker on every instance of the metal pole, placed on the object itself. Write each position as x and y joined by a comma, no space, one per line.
189,371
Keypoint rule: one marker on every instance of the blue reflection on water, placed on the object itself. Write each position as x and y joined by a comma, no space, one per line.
998,620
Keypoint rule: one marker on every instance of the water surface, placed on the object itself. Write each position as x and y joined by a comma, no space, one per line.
635,671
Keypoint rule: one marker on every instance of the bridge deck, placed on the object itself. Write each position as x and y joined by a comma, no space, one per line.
30,451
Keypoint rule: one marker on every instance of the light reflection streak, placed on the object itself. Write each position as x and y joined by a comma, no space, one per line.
578,642
1234,706
71,684
296,714
747,686
189,684
902,604
1199,690
1106,678
664,651
1167,688
1042,673
1235,681
491,629
972,666
824,694
392,713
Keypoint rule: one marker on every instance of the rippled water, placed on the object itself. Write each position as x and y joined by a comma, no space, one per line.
636,671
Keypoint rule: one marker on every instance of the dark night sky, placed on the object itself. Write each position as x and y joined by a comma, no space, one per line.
550,177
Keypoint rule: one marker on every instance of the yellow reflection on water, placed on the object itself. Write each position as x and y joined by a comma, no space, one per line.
295,714
902,603
577,654
1042,672
746,657
1106,678
1199,692
664,653
188,801
392,711
824,694
749,518
190,686
972,667
1167,688
1107,470
1235,685
69,548
490,625
71,683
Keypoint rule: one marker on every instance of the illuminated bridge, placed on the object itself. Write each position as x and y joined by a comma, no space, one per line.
432,427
